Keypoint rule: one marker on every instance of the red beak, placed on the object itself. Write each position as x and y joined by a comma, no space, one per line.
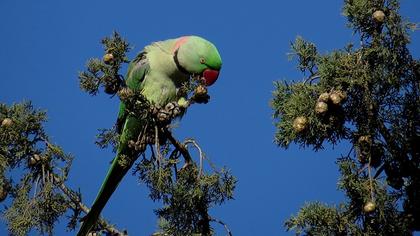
210,76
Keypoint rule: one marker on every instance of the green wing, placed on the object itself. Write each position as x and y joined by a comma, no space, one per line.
136,73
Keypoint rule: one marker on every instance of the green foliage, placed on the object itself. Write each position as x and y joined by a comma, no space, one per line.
350,218
107,137
103,72
26,129
38,212
21,214
187,194
28,164
379,115
386,219
306,54
318,219
299,99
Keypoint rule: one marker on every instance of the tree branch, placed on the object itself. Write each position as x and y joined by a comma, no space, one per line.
229,233
195,144
388,138
311,78
78,204
181,147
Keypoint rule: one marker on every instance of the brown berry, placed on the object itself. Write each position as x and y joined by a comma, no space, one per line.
369,207
321,108
131,144
125,93
379,16
108,58
37,157
300,123
365,140
176,111
7,122
324,97
163,116
32,161
337,97
170,106
200,90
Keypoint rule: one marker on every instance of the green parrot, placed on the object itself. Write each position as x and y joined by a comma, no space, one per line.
157,72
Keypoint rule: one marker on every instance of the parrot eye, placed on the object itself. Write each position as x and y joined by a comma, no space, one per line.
202,60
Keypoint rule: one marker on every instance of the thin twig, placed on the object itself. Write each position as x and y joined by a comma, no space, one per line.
36,186
351,150
157,146
312,78
379,171
181,147
43,174
195,144
48,144
76,200
212,165
153,155
229,233
174,156
363,169
370,180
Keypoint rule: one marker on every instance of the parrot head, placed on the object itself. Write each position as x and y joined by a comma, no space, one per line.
198,57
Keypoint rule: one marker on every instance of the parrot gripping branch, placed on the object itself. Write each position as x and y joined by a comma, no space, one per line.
143,129
40,194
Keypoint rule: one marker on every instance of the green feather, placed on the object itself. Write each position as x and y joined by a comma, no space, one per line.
120,166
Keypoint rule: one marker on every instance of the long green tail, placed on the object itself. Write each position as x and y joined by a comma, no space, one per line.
114,176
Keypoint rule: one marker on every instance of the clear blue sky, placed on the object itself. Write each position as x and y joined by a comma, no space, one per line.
45,43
